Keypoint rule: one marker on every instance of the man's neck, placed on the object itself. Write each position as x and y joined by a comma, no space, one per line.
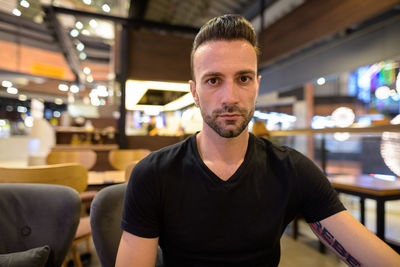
213,147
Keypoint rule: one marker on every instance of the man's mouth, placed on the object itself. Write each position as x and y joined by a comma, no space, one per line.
229,115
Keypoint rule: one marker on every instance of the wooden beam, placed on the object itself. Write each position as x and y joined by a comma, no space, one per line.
314,20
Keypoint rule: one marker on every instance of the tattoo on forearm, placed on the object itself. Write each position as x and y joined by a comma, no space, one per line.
331,241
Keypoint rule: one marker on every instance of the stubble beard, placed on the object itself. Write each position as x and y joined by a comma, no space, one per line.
220,127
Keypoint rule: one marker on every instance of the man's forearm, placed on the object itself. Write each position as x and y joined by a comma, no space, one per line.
354,243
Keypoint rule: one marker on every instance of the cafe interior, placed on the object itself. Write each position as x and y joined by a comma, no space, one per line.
91,87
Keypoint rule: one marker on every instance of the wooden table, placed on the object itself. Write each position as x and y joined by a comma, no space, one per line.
366,186
101,179
102,163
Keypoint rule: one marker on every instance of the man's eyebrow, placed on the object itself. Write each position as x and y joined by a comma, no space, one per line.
246,72
218,74
211,74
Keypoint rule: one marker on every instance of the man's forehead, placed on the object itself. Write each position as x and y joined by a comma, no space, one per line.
214,56
213,44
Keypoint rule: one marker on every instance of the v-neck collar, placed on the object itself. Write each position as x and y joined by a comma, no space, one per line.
236,175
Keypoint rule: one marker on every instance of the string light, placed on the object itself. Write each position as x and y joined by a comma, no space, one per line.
16,12
79,25
24,3
106,8
12,90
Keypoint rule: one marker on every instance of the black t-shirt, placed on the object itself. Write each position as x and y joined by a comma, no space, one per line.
202,220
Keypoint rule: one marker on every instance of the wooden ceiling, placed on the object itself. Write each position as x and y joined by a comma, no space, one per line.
300,28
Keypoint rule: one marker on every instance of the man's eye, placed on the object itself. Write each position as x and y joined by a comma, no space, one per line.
244,79
212,81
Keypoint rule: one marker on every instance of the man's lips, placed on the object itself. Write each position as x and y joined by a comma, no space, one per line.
229,115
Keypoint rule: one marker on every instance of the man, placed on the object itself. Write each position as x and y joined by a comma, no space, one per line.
223,197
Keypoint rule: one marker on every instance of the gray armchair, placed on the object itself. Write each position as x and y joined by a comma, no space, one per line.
105,220
38,218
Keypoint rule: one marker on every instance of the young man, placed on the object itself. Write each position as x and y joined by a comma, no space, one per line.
223,197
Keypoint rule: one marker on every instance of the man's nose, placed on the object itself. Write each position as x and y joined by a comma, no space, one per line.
230,93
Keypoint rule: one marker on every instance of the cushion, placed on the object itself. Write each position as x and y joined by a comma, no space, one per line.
35,257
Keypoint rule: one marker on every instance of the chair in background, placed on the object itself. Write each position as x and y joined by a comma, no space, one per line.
105,220
121,158
86,158
36,215
129,170
69,174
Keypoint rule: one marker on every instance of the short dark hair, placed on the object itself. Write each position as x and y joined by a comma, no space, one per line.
228,27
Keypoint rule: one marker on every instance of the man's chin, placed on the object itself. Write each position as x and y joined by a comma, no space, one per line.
230,131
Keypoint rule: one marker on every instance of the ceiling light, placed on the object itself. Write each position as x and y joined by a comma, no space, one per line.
12,90
82,55
74,89
382,92
22,97
102,91
167,86
80,47
136,89
74,33
106,8
179,103
79,25
24,3
85,32
63,87
321,81
134,92
87,2
343,116
56,114
94,98
6,84
395,120
58,101
89,78
93,23
22,109
28,121
86,70
105,29
16,12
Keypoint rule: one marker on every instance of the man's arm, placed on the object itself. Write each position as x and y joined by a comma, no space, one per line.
136,251
354,243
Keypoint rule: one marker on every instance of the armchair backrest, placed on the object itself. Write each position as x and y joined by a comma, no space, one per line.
69,174
35,215
105,220
121,158
87,158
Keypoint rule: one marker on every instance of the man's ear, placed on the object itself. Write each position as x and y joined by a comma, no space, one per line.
194,92
258,83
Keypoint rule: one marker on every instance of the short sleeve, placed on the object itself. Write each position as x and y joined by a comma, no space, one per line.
140,215
319,198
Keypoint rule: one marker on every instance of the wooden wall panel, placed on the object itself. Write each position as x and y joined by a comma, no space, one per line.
159,57
8,56
314,20
35,61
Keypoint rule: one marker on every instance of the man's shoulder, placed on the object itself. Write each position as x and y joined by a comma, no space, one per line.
169,153
273,149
